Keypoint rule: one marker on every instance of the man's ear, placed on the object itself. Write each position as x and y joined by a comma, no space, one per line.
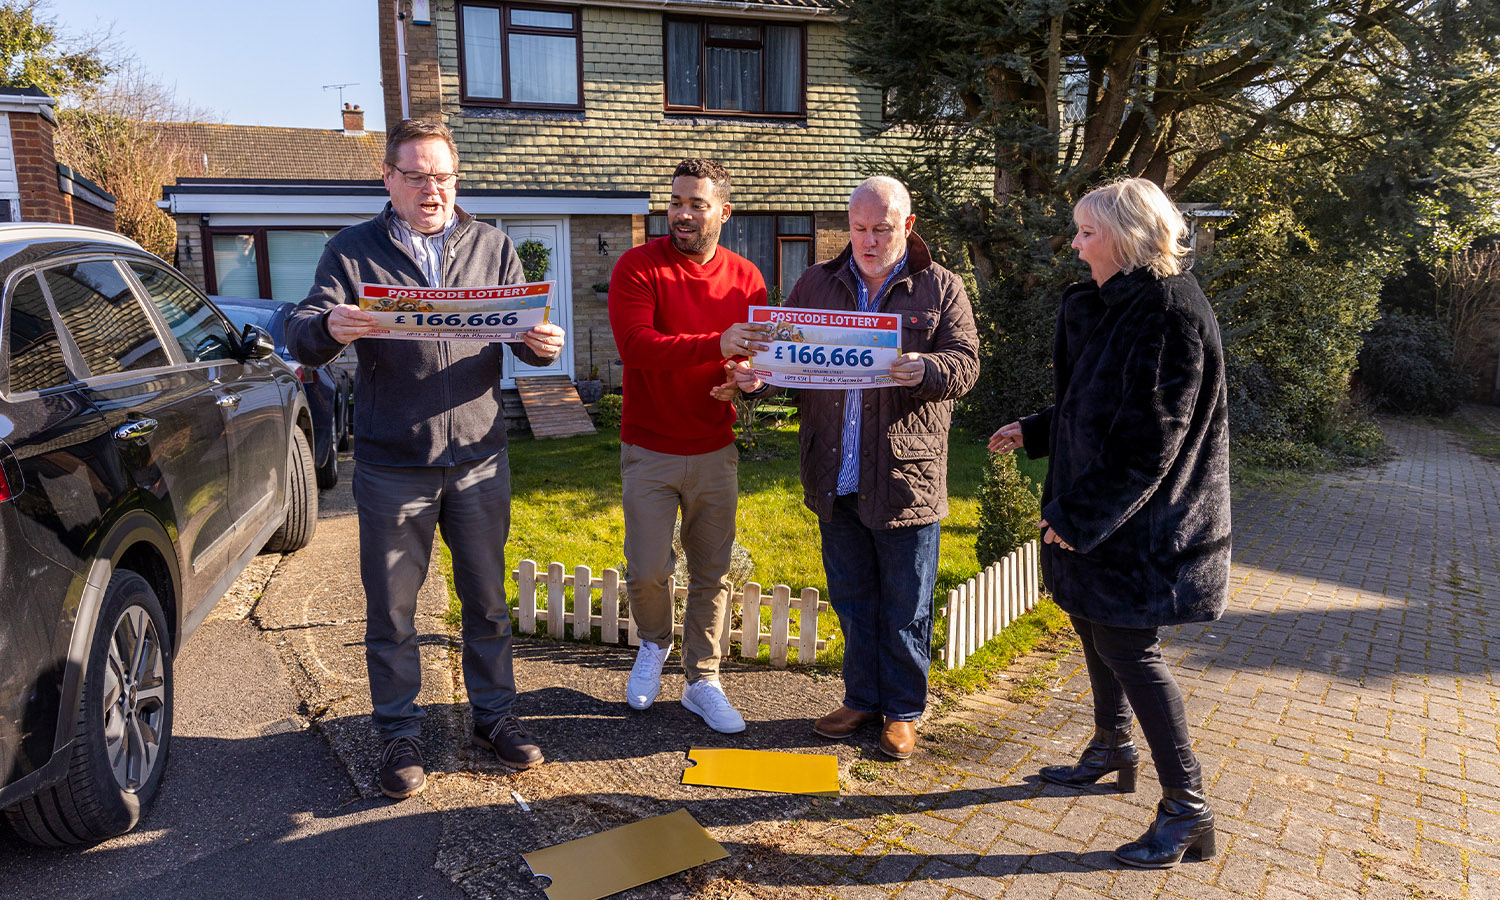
910,221
728,210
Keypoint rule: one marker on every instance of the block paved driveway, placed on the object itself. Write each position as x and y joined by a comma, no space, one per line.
1345,710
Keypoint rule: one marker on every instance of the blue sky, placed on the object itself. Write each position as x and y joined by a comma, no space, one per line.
248,62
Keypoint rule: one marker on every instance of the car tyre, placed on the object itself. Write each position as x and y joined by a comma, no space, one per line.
124,726
302,499
328,472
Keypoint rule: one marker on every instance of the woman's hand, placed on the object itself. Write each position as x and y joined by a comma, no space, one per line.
1008,438
1050,537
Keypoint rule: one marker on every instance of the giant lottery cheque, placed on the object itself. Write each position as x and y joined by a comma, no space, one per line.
827,348
499,313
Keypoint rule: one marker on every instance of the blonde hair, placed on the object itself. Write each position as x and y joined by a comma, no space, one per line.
1140,224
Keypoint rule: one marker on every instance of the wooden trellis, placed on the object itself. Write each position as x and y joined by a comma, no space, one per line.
988,602
579,620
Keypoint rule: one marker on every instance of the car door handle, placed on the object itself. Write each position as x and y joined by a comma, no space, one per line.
228,401
135,430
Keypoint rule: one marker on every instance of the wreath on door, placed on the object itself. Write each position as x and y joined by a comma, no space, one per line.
535,258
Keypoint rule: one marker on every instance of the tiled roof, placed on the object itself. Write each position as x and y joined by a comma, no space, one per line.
261,151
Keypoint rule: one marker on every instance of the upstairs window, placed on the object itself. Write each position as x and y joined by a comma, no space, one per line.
781,246
519,55
735,67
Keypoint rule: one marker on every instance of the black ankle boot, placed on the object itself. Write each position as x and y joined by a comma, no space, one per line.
1183,823
1109,751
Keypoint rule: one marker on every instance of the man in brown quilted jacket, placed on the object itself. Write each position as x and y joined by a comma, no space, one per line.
875,461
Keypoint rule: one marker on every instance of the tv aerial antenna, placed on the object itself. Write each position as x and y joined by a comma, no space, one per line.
340,89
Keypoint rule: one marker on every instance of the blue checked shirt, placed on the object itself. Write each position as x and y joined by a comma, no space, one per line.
853,399
426,249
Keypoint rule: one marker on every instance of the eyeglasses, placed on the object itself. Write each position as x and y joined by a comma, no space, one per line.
420,179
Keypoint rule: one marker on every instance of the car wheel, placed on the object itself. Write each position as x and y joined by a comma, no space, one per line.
302,507
124,726
328,473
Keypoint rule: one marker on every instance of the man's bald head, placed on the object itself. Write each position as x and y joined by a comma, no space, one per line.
890,192
879,221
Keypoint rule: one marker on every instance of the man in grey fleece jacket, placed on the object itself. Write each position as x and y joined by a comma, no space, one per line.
430,446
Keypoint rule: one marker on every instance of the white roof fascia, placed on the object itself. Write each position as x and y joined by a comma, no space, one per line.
69,186
41,106
366,206
309,220
721,8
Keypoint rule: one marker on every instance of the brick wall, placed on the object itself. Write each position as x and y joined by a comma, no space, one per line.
624,141
37,178
190,251
36,170
422,66
81,212
590,313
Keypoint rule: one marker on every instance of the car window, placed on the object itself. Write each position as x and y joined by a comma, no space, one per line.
36,359
197,326
110,327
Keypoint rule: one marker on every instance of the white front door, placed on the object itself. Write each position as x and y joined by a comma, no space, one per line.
552,234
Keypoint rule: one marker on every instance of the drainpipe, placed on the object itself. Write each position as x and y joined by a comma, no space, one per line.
401,59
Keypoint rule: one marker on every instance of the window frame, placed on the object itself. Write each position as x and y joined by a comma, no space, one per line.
78,363
72,364
703,43
505,7
810,238
143,294
257,233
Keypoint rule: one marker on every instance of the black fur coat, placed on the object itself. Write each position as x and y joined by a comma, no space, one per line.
1138,482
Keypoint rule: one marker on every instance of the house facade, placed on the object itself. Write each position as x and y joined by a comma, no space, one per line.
556,103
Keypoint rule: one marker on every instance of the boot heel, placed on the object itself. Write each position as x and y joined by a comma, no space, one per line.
1126,782
1206,846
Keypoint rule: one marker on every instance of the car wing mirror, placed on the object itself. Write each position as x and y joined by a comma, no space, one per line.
256,343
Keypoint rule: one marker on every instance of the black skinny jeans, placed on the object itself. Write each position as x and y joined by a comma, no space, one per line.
1126,671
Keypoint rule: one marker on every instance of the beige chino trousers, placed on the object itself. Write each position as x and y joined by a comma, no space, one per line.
705,487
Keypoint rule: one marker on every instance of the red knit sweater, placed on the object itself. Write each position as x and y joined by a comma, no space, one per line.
667,313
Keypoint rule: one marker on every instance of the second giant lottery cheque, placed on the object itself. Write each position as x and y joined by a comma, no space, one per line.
497,313
827,348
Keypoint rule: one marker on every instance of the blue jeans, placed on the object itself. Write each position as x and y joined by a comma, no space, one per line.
880,584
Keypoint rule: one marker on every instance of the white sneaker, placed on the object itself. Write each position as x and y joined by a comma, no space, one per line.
645,675
706,698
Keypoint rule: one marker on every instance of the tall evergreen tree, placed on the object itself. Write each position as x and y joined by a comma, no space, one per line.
1373,121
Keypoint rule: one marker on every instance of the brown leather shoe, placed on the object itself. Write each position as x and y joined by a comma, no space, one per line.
898,739
843,722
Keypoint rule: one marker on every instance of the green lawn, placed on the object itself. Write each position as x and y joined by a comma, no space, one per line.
566,508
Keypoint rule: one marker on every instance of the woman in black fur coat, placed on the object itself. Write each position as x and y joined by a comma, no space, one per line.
1135,508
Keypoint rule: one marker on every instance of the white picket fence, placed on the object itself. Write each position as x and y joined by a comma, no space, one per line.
991,600
611,622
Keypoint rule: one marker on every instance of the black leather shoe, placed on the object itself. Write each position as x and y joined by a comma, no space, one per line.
1184,824
1109,751
401,773
510,740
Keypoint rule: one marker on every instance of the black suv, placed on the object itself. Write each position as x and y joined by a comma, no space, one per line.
148,452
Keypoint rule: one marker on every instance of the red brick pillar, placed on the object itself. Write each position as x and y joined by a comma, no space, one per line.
31,137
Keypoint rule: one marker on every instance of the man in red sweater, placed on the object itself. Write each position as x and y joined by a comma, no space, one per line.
678,307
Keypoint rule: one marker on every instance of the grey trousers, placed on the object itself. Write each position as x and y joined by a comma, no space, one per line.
399,509
705,487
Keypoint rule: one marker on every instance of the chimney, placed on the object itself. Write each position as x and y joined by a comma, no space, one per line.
354,119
